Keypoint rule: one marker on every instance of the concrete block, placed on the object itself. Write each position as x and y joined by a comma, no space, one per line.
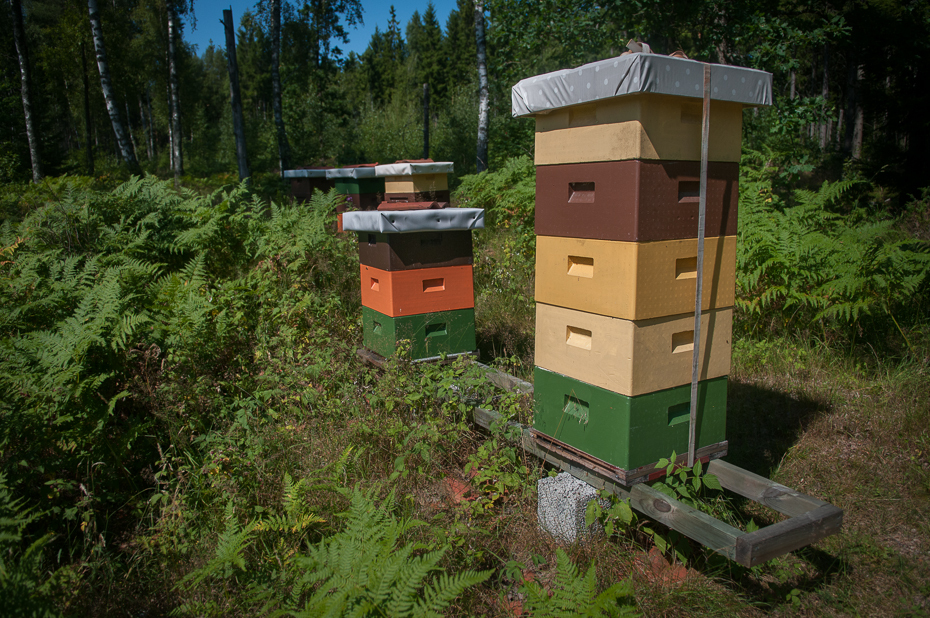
631,357
642,126
563,500
632,280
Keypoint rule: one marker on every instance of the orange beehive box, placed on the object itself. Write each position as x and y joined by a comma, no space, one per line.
423,290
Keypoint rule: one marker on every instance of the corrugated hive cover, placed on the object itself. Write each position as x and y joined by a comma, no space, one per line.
411,169
399,221
637,73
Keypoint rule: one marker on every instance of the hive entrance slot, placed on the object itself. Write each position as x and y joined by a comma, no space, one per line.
686,268
372,240
679,413
581,193
376,327
576,407
434,285
578,337
683,341
689,190
436,330
579,266
375,285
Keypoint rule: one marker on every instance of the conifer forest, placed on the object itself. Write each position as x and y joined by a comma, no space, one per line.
187,429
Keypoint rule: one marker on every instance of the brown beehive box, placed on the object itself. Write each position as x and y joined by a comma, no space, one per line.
415,250
634,200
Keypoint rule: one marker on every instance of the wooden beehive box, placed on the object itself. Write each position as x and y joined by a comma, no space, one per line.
415,250
422,290
429,334
631,357
627,432
632,280
634,200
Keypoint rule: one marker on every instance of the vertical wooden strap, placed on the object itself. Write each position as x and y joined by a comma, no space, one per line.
699,283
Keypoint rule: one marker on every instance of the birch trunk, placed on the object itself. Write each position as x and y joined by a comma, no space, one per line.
174,88
88,127
284,149
234,95
483,103
825,93
123,145
19,38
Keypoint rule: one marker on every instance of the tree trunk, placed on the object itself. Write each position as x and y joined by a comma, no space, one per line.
234,96
483,104
859,122
174,89
103,66
426,121
148,103
132,138
794,74
825,93
284,149
146,130
88,127
19,37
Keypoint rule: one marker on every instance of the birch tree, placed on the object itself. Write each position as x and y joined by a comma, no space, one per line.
19,37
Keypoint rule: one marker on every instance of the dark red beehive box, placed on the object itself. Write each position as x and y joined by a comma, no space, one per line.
634,201
415,250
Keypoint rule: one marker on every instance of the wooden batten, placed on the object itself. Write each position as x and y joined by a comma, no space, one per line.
642,126
423,290
631,357
417,183
634,281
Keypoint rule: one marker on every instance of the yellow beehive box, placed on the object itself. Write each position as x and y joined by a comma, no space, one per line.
420,183
639,126
631,357
631,280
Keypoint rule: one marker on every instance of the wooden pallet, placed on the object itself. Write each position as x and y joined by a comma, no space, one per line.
373,358
808,519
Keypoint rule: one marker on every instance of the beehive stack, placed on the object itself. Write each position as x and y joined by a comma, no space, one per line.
618,150
416,268
363,189
305,181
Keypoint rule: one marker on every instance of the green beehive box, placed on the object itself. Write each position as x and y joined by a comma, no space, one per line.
352,186
430,334
628,432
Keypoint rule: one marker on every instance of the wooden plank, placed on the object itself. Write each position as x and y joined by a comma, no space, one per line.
718,536
505,381
762,490
794,533
747,549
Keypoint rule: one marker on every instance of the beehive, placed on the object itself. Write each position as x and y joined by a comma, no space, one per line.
415,181
305,181
416,274
618,150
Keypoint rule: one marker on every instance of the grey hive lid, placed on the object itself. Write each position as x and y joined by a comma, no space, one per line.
351,172
311,173
634,73
400,221
413,169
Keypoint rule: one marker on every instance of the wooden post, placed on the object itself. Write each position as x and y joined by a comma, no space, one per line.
426,121
699,282
234,96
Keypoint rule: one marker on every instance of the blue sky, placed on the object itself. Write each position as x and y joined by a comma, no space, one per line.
209,15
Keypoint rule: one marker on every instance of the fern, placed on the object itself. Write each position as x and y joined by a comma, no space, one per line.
574,594
366,571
